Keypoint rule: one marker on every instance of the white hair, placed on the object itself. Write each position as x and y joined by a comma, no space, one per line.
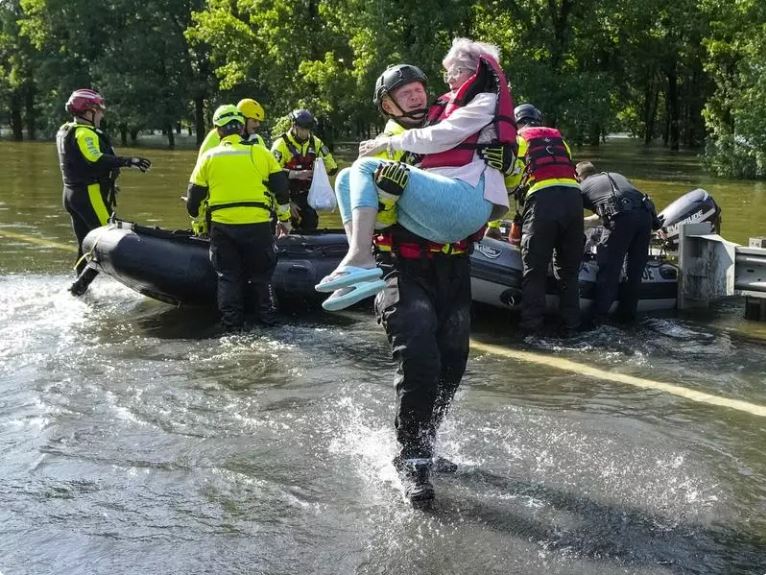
466,53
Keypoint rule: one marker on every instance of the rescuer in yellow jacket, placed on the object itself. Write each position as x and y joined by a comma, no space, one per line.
241,184
89,170
254,115
296,152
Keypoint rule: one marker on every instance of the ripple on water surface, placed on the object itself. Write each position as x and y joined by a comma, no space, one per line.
138,440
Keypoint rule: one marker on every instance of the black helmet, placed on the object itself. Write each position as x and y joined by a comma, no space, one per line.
527,115
302,118
394,77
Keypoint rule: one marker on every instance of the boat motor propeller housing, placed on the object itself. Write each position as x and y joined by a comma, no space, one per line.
694,207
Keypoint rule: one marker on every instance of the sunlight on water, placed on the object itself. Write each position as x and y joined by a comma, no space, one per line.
138,438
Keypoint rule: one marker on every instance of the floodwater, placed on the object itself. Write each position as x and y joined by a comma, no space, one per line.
135,439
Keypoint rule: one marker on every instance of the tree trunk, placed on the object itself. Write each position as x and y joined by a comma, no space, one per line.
651,100
594,135
16,124
199,118
694,132
133,135
171,137
560,19
673,106
123,127
29,105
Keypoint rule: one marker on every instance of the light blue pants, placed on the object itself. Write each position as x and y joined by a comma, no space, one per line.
436,208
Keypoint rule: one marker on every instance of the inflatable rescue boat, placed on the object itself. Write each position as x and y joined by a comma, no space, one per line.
174,266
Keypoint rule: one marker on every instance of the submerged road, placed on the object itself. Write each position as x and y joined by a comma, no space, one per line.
535,358
135,439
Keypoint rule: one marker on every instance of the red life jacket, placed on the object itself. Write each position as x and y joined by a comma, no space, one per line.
489,77
298,161
546,156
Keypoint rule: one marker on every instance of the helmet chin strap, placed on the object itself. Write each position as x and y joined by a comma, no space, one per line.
90,120
418,115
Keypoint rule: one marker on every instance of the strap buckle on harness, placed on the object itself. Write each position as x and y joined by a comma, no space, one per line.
384,243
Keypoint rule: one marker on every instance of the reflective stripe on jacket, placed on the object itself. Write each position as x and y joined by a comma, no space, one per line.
544,160
213,139
236,175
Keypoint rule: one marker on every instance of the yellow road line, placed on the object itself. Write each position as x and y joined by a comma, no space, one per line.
539,359
579,368
38,241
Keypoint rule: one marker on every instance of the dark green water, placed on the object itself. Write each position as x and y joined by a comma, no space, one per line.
136,440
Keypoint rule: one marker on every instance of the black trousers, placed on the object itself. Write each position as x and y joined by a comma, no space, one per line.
552,227
78,202
244,258
308,218
628,236
426,312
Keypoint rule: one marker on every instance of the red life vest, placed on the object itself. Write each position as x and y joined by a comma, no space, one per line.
489,77
546,157
298,161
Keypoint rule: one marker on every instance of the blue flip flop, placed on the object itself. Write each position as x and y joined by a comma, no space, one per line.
349,295
348,276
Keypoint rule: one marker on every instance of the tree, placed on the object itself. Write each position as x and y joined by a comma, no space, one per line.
17,72
736,113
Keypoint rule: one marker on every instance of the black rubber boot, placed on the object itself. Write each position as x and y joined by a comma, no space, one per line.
416,478
443,465
80,285
228,327
267,308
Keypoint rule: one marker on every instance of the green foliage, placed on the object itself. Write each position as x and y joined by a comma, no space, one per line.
592,66
736,113
135,53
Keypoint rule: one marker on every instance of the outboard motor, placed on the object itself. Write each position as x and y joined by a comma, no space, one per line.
693,207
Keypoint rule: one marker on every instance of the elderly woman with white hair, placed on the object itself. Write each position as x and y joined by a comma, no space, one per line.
453,192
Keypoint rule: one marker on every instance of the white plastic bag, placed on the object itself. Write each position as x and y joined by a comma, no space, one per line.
321,194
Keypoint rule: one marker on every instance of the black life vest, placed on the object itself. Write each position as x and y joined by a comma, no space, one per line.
75,169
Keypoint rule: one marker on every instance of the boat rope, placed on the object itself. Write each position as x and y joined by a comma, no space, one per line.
87,255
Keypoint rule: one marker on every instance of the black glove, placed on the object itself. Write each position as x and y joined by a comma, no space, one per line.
141,163
392,178
499,156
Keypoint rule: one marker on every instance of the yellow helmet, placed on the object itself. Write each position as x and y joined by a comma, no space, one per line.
251,109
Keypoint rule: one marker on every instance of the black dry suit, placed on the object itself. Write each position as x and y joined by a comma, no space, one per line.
425,309
89,184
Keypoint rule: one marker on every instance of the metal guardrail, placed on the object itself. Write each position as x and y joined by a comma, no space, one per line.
712,268
750,271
